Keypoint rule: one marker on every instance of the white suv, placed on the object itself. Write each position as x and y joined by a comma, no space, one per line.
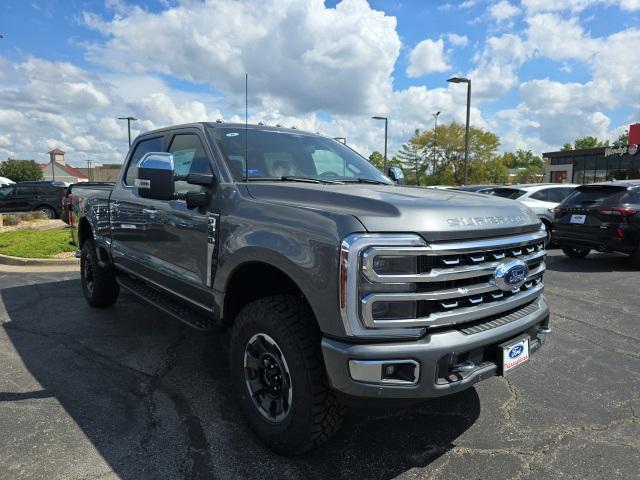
542,198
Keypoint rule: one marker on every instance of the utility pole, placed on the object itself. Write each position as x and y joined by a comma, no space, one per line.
89,171
386,131
435,139
466,134
129,120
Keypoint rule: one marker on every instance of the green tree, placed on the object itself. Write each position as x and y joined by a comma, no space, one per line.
622,140
521,159
20,170
449,164
567,147
497,172
589,142
410,156
377,160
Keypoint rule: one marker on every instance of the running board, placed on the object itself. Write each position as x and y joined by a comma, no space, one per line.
165,303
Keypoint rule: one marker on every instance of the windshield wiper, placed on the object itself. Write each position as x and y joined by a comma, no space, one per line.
291,178
365,180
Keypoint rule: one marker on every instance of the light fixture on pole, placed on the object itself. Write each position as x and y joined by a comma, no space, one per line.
129,120
435,138
466,133
386,131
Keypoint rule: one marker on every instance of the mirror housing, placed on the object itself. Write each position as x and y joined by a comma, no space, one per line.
156,176
396,174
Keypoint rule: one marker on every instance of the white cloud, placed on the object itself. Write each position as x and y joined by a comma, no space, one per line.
457,40
576,6
300,55
503,10
427,57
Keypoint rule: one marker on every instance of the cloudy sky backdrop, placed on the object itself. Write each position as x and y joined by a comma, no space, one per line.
544,71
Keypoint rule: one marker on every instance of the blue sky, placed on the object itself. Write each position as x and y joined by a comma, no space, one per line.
543,71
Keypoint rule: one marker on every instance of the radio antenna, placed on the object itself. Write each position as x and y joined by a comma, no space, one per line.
246,127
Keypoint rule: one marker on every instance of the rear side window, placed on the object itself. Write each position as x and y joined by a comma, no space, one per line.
596,195
557,195
541,195
24,190
5,192
144,147
511,193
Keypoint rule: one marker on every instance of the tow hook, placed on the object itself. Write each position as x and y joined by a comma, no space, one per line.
543,332
465,366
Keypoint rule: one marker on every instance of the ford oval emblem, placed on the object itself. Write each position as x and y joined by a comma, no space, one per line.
510,275
515,352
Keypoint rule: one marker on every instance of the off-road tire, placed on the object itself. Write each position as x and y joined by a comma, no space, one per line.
575,252
315,413
99,284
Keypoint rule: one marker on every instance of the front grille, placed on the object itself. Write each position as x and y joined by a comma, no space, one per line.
453,283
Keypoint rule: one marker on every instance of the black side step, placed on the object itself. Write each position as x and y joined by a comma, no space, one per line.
165,303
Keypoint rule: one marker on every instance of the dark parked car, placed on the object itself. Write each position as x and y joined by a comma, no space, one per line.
601,216
45,197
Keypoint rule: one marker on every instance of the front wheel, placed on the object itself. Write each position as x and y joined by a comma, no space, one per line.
99,284
278,373
575,252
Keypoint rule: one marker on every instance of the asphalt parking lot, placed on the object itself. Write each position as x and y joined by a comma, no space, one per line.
129,393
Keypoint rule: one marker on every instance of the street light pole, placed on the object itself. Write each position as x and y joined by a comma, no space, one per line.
435,138
466,133
129,120
386,133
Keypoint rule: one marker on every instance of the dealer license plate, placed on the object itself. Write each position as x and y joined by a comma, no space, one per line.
514,355
577,218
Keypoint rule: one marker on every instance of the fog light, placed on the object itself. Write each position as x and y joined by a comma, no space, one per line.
394,310
385,372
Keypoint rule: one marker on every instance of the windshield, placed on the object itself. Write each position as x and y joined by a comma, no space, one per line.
596,194
276,154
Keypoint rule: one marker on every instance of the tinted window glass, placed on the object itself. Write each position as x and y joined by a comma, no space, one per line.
49,190
557,195
511,193
24,190
189,156
595,195
145,146
541,195
6,191
274,154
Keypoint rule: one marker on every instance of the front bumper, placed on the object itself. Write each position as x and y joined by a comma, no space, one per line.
434,353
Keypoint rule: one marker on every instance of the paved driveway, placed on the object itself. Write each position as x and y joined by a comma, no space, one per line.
129,393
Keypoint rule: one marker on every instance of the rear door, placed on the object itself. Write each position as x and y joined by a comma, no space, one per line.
127,213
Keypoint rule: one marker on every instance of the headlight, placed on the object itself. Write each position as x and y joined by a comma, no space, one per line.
376,264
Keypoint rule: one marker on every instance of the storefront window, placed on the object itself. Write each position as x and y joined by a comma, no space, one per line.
601,169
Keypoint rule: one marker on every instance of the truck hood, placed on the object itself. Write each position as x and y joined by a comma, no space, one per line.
434,214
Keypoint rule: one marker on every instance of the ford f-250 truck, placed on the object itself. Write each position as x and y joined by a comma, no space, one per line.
337,284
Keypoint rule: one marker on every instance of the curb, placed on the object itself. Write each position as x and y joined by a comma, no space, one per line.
37,262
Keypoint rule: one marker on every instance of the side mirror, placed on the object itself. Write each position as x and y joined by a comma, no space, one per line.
156,176
396,174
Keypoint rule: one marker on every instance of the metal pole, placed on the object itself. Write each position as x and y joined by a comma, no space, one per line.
466,134
129,129
386,130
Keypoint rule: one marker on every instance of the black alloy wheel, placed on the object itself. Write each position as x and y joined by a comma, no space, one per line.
267,378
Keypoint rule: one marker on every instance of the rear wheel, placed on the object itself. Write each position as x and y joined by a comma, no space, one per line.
99,284
278,373
46,211
575,252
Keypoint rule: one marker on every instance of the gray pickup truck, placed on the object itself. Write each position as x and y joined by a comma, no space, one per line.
337,285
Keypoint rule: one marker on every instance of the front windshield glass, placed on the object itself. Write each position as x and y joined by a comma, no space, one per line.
275,154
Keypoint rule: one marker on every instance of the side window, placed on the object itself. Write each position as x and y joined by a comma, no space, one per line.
557,195
189,156
541,195
145,146
24,190
6,191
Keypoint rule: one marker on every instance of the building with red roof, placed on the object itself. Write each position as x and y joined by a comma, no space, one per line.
58,170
